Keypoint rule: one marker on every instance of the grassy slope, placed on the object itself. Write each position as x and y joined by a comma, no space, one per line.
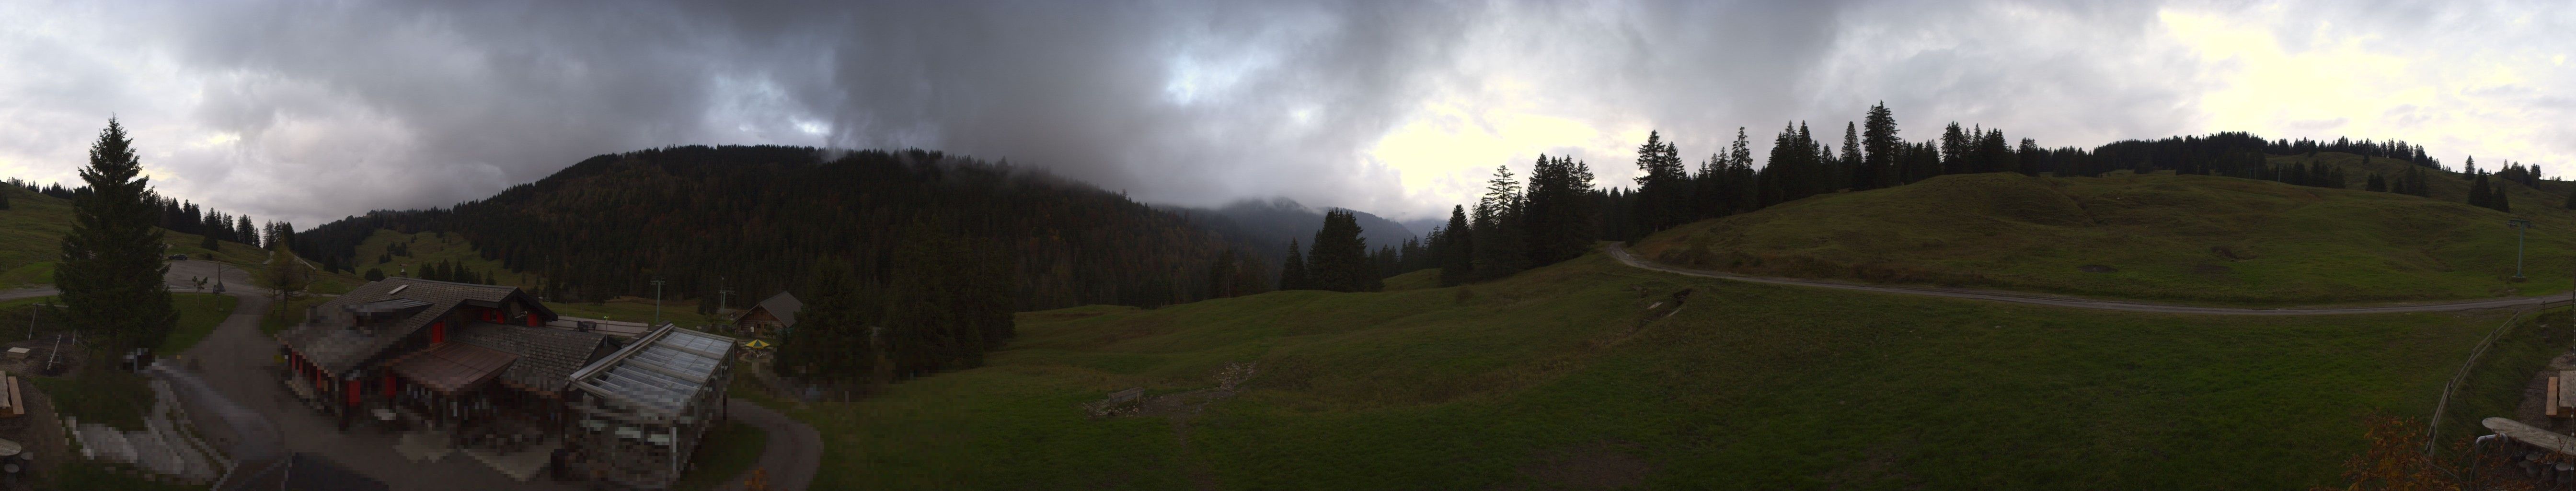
2162,233
427,248
31,233
1538,376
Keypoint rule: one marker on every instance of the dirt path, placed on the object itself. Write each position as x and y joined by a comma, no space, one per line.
1621,253
794,450
28,293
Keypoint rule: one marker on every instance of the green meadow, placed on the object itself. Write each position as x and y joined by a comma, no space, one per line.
1563,377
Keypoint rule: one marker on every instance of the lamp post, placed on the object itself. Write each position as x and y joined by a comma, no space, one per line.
657,300
2519,226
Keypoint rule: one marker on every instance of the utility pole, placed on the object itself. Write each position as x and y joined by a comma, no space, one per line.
2519,226
657,301
723,295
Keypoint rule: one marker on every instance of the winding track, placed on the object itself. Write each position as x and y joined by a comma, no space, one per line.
1621,253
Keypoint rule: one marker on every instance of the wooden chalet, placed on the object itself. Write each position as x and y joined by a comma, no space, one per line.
437,354
771,316
482,363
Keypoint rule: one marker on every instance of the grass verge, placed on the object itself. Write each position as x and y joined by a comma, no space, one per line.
198,316
727,452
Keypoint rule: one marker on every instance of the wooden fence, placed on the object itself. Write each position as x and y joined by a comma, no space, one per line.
2433,428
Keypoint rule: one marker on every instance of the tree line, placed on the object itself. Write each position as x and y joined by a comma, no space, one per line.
1556,213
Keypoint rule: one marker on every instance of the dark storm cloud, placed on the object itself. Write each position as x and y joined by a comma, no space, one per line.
312,110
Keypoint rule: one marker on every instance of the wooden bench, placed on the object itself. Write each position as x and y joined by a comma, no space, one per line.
2561,395
16,401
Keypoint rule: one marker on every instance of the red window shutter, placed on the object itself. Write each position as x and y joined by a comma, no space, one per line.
354,389
437,332
389,384
532,320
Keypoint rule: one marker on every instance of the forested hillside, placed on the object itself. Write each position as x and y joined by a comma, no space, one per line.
759,217
1265,227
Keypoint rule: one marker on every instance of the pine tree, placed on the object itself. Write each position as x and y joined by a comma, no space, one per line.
1879,138
375,274
1559,211
1663,185
1292,270
111,270
4,195
1852,163
1742,193
831,336
1954,150
1340,258
1457,249
1498,226
2478,193
2375,184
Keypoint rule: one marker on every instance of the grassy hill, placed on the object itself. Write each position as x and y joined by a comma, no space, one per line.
31,232
428,248
1556,378
2181,238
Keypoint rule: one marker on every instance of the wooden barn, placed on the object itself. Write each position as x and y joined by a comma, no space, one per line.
771,317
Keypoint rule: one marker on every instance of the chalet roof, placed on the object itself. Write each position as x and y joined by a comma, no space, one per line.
783,306
452,366
661,373
546,356
331,344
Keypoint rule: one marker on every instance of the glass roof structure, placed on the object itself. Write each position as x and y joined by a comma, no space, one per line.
661,372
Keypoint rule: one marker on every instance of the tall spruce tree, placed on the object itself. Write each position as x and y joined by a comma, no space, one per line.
1878,137
1559,211
1663,185
830,341
1458,248
1497,222
1742,195
111,270
2478,195
1854,164
1340,258
1292,270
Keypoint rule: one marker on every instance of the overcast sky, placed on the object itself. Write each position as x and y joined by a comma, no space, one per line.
308,111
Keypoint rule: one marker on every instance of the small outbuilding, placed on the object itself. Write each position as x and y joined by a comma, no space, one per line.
772,315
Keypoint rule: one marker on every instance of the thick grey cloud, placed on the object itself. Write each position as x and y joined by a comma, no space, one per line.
311,110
